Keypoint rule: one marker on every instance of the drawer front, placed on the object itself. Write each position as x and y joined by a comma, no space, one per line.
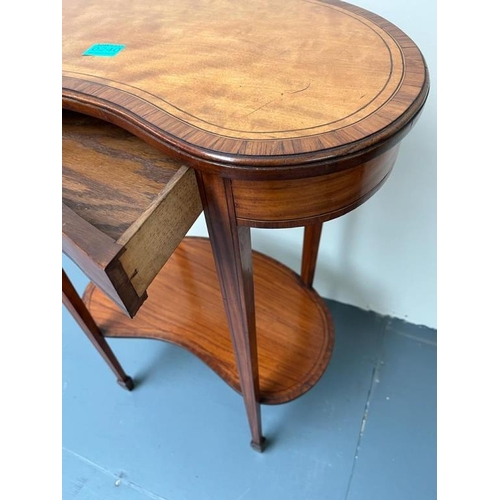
152,239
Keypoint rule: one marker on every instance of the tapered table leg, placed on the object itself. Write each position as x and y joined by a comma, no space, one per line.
232,251
312,235
80,313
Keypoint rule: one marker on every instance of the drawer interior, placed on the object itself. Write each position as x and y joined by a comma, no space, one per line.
126,206
110,177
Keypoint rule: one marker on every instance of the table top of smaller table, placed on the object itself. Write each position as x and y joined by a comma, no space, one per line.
244,82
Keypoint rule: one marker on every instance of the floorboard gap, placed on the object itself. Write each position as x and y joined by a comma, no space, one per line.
374,382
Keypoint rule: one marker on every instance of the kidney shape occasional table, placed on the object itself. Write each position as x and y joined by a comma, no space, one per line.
290,113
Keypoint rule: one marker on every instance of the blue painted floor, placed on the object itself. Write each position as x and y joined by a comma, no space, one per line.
366,431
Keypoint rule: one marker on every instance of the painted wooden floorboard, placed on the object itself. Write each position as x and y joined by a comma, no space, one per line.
397,450
82,480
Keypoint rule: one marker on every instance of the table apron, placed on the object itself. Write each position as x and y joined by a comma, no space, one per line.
300,202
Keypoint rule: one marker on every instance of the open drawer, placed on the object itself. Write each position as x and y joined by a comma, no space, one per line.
126,207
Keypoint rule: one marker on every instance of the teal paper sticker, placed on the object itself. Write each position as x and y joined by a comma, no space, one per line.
104,50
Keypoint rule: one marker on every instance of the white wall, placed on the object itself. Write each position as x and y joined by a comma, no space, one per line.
382,256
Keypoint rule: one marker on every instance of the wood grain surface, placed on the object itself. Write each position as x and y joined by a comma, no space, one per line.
232,250
185,307
299,202
245,84
310,248
109,176
126,206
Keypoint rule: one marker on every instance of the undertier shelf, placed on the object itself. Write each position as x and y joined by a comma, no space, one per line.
295,333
